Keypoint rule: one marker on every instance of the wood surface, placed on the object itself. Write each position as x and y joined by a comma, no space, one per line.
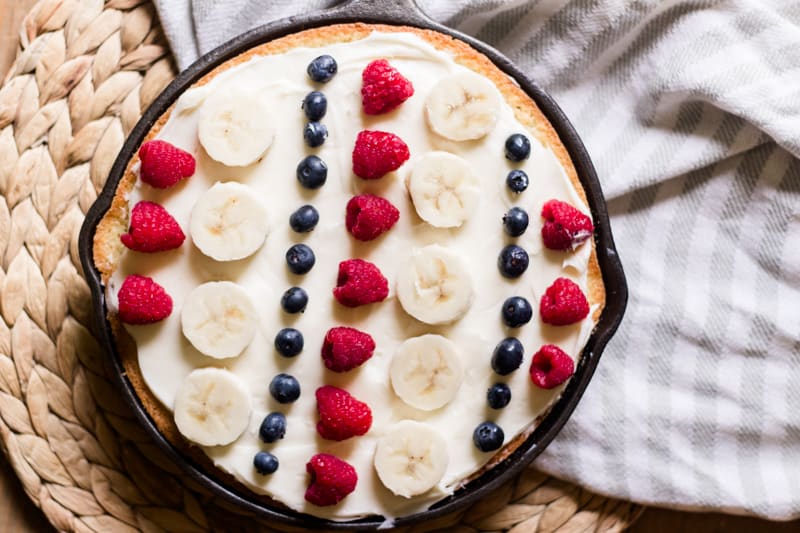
19,514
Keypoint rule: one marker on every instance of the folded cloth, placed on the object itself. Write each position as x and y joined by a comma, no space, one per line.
691,111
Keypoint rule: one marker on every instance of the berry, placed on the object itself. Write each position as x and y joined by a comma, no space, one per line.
383,88
312,172
517,311
359,283
370,216
164,165
289,342
142,301
512,261
377,153
346,348
551,367
498,395
300,259
488,436
315,133
315,105
340,415
265,463
331,480
294,300
563,303
564,226
284,388
322,69
273,427
515,222
517,180
304,219
518,147
152,229
507,356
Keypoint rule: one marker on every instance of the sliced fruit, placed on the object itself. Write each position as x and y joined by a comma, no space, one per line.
411,458
426,371
463,107
444,189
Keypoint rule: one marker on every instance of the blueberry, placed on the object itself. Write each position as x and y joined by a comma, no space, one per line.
512,261
300,258
289,342
322,69
515,222
294,300
517,180
488,436
315,105
284,388
507,356
304,219
265,463
498,395
312,172
315,133
518,147
517,311
273,427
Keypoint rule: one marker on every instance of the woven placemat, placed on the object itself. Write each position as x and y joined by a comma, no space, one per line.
84,73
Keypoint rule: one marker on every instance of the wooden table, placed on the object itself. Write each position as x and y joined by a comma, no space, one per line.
19,514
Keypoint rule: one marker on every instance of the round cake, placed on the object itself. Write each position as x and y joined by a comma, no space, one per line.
350,269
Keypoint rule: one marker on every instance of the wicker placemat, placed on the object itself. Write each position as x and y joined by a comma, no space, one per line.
85,72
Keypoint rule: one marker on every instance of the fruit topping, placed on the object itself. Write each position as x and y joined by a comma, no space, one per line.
564,226
294,300
322,69
507,356
518,147
315,134
143,301
463,107
312,172
152,229
315,105
289,342
331,480
515,222
376,153
346,348
265,463
444,189
426,371
284,388
383,88
517,180
411,458
304,219
273,427
498,395
370,216
341,416
512,261
516,311
300,258
563,303
551,367
163,165
359,283
488,437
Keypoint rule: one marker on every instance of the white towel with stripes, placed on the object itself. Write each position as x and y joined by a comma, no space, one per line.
691,112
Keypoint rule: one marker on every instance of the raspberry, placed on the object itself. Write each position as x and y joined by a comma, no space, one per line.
565,227
383,88
377,153
164,165
346,348
152,229
370,216
143,301
563,303
331,479
340,415
551,367
359,283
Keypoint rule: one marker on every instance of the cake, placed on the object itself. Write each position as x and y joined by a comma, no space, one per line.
350,269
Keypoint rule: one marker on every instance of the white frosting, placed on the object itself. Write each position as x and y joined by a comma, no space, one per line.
166,357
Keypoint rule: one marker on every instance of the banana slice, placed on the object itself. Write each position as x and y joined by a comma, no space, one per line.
426,371
435,286
228,222
219,319
235,127
444,189
411,458
463,107
212,407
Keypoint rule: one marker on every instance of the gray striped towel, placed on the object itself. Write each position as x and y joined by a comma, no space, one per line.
691,111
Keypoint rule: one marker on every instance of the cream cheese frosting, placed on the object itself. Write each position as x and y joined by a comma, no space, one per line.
280,81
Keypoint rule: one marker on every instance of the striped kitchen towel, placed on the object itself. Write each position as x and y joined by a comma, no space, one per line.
691,111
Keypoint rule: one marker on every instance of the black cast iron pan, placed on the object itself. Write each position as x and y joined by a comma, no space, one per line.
397,12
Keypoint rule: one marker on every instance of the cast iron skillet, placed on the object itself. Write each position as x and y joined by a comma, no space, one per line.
397,12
